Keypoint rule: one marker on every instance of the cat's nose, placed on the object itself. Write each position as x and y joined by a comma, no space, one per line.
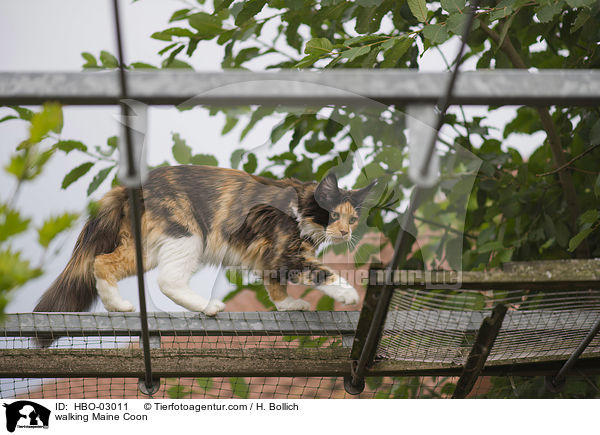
343,232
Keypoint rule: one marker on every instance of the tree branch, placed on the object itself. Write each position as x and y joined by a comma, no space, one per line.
552,135
566,165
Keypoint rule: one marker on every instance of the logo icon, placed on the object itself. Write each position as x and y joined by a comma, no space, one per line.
26,414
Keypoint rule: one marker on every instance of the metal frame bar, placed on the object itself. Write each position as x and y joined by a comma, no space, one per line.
356,87
149,385
278,323
557,382
486,336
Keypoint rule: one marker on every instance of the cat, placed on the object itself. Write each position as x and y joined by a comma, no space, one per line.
193,215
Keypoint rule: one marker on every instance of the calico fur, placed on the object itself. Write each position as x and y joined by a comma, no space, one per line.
194,215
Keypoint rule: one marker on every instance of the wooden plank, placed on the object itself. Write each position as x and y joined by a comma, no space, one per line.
563,275
106,363
64,363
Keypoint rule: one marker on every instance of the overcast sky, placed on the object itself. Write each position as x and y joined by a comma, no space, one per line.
42,35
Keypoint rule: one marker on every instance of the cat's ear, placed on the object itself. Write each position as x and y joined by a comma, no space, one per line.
327,190
359,196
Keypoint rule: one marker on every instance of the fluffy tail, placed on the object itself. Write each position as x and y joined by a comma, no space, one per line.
75,288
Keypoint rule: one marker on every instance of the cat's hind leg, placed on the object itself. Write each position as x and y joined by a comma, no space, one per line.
178,259
111,268
283,302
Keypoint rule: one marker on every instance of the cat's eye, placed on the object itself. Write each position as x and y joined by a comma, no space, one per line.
353,220
335,216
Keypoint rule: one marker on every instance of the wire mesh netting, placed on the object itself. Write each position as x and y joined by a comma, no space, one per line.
440,326
293,352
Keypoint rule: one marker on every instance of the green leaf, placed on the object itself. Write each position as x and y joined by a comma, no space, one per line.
318,46
69,145
90,60
240,387
369,3
257,115
166,34
597,186
364,252
98,179
222,4
326,303
8,118
181,151
142,65
24,114
178,15
178,392
307,61
502,9
355,52
589,216
393,55
76,174
176,63
17,166
251,163
250,8
236,157
205,383
546,13
453,5
204,159
208,26
112,141
108,60
11,223
320,146
436,33
456,23
230,123
490,246
578,238
15,272
49,119
53,226
418,9
582,17
161,36
581,3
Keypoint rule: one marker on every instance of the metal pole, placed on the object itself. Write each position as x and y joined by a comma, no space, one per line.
358,368
556,383
444,102
135,215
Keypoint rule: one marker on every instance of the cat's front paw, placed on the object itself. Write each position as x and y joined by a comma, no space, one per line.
291,304
120,306
214,306
341,291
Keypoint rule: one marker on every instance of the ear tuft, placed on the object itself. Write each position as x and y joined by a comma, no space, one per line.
359,196
327,190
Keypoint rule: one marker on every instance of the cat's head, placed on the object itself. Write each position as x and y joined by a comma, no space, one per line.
336,212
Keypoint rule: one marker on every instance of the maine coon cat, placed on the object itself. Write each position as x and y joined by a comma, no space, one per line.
195,215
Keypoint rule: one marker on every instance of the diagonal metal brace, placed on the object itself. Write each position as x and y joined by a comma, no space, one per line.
556,384
486,336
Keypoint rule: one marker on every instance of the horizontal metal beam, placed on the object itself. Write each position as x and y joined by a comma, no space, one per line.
279,323
348,87
316,323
